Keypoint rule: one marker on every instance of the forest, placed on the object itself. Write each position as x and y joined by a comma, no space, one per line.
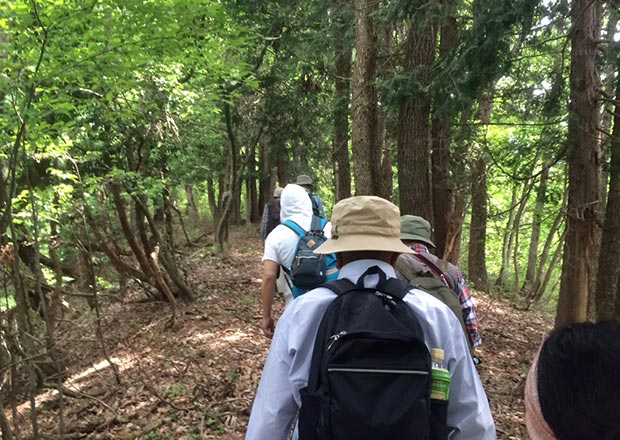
141,139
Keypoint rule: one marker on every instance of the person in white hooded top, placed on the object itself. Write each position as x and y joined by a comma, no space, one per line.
280,247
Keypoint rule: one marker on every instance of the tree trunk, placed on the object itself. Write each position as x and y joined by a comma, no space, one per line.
255,214
282,166
478,227
508,238
414,149
213,204
609,258
578,268
452,252
265,191
443,186
537,219
192,207
535,292
366,155
340,142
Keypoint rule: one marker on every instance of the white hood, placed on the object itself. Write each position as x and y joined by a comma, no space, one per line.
295,205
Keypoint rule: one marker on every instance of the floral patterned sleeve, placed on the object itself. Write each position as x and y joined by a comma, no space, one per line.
469,310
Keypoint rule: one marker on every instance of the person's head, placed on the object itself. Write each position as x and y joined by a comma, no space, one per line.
277,193
573,387
304,181
415,229
295,205
364,227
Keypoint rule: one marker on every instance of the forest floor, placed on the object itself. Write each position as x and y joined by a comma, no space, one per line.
197,379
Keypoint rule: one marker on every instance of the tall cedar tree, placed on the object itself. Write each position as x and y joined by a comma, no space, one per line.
578,269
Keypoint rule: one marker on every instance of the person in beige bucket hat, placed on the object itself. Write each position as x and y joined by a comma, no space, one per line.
364,223
366,240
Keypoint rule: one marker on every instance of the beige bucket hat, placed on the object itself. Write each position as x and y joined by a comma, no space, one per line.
277,192
364,223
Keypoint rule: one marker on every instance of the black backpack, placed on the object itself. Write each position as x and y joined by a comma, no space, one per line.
274,216
309,270
370,374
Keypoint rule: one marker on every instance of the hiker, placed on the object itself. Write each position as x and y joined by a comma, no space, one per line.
317,205
415,232
271,214
366,240
572,390
271,219
281,246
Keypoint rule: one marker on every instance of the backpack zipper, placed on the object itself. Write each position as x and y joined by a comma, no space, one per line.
334,338
392,336
376,371
386,297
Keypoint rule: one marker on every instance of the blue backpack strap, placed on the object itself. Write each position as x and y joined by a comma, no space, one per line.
295,227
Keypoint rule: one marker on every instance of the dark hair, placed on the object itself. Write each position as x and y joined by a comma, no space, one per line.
579,381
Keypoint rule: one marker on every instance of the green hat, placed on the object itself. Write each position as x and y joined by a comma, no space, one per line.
415,228
303,180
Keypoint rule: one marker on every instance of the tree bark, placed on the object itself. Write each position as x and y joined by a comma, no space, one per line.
609,258
478,227
340,142
414,148
441,138
537,217
578,268
192,207
508,238
366,154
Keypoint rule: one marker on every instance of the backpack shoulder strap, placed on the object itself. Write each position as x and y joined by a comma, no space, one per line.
318,223
341,286
394,287
435,269
295,227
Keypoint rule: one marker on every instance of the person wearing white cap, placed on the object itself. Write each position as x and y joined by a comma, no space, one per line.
365,233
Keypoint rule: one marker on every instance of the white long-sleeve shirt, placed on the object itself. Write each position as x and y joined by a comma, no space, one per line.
288,362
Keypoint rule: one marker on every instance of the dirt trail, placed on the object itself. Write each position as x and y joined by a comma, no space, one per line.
198,381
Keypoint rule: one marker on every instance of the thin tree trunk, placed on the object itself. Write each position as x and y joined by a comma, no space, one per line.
516,229
265,186
535,291
452,252
192,207
213,204
508,239
579,266
541,195
554,261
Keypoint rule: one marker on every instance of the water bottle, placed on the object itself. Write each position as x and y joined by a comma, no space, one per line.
440,385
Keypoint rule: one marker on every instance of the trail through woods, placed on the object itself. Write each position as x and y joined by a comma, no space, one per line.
198,381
